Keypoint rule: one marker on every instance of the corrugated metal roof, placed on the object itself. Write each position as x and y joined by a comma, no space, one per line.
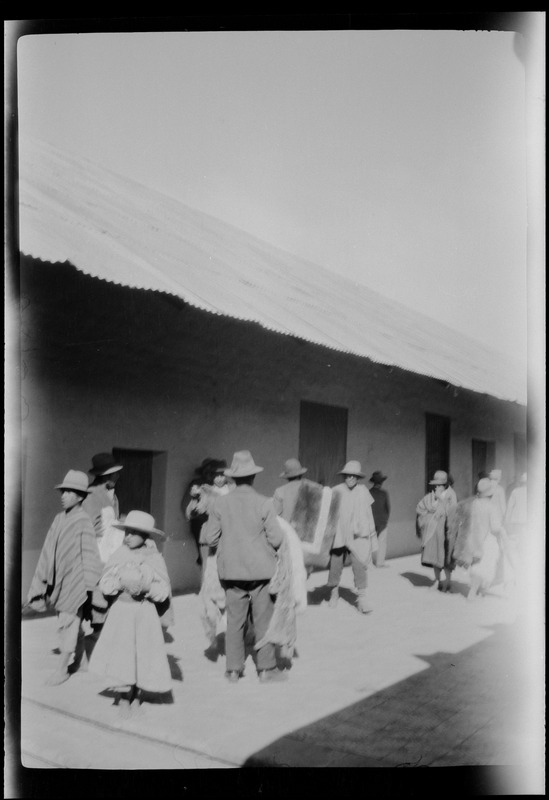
115,229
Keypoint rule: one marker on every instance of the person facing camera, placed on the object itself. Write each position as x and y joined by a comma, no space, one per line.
354,533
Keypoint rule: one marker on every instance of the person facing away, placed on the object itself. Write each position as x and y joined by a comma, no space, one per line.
102,503
68,572
130,651
381,509
243,526
432,527
285,497
354,532
480,539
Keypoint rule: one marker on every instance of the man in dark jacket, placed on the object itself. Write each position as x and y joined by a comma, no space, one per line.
380,509
244,528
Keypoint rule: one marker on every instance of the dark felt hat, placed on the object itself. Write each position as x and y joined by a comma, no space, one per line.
104,464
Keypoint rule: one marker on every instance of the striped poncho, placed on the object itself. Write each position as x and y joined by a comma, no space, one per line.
69,565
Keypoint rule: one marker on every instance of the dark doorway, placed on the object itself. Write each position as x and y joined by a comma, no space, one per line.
323,441
142,481
437,445
483,456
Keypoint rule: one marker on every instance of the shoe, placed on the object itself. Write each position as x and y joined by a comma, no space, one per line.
334,597
271,676
233,675
363,606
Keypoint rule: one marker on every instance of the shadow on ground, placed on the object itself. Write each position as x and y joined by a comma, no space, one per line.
321,594
409,725
417,579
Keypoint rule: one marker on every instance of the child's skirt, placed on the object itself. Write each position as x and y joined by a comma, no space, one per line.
131,649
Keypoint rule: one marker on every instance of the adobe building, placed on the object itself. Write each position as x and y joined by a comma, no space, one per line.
165,335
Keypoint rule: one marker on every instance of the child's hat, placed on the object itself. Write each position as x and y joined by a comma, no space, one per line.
141,522
75,481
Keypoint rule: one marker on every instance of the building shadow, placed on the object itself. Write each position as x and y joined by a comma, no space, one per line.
458,713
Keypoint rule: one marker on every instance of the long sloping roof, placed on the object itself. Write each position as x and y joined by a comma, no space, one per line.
113,228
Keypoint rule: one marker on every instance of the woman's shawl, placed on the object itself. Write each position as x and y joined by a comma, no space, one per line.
213,599
69,565
151,571
289,584
431,512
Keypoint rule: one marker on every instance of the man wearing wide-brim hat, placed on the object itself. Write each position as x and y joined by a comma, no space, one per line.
285,497
244,528
381,510
68,572
102,502
354,534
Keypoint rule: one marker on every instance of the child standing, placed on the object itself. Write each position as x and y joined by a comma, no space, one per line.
68,571
130,650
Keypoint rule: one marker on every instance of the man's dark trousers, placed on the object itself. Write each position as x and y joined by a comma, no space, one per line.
239,596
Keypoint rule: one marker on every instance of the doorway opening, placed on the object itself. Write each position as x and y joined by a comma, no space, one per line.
322,441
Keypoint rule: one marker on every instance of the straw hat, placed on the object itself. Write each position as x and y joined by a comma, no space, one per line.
440,478
352,468
292,469
243,465
141,522
75,481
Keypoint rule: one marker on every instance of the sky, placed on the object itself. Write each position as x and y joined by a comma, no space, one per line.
396,158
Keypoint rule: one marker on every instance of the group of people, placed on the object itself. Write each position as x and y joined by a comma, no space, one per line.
250,551
105,573
107,580
482,533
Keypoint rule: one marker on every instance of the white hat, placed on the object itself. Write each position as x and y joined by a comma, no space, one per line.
243,465
75,481
352,468
141,522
